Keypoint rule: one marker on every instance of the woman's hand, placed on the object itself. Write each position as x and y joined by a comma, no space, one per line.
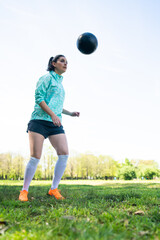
56,120
75,114
72,114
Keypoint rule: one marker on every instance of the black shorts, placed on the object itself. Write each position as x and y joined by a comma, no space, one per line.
45,128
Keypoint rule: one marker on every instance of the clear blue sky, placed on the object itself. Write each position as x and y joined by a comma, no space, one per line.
116,89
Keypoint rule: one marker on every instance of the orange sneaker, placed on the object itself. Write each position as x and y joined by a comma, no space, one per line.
56,193
23,196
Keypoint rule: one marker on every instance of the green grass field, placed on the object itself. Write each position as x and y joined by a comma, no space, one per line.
91,210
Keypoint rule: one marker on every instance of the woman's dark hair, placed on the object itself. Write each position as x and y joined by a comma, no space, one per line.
53,59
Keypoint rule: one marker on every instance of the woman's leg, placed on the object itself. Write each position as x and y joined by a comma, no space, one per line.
36,143
59,142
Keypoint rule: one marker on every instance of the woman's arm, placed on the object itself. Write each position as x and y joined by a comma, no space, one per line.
66,112
55,119
73,114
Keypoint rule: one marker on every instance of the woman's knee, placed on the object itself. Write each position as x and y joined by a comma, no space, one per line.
36,155
36,143
63,151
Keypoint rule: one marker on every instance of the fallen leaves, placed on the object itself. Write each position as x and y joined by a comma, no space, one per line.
142,233
3,227
139,212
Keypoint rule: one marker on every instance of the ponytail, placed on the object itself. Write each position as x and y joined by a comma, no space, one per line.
53,59
50,66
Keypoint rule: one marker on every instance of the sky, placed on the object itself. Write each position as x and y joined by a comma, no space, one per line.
116,89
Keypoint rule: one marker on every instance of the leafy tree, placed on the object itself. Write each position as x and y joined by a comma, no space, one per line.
127,173
71,170
149,173
82,166
17,167
127,163
39,173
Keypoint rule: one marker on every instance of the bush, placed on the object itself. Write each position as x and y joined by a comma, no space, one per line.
149,173
127,173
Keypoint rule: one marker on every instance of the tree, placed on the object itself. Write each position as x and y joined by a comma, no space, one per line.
149,173
127,163
39,173
71,169
17,167
127,173
2,166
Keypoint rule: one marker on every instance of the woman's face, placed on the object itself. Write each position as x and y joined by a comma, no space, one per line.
61,65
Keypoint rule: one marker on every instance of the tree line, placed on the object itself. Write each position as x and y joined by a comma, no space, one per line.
80,166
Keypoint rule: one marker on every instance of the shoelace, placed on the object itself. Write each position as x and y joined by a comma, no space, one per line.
23,193
57,194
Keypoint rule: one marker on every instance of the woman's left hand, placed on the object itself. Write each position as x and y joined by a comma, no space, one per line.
75,114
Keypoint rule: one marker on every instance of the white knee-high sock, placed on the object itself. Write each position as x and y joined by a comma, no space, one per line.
59,170
29,172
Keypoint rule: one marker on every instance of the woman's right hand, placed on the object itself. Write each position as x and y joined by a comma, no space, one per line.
56,121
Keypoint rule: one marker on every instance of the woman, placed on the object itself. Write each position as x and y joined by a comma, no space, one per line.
46,122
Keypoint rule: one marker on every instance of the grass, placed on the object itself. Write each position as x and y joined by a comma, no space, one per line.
92,210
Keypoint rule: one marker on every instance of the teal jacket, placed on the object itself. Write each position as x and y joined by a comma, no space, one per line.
49,88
